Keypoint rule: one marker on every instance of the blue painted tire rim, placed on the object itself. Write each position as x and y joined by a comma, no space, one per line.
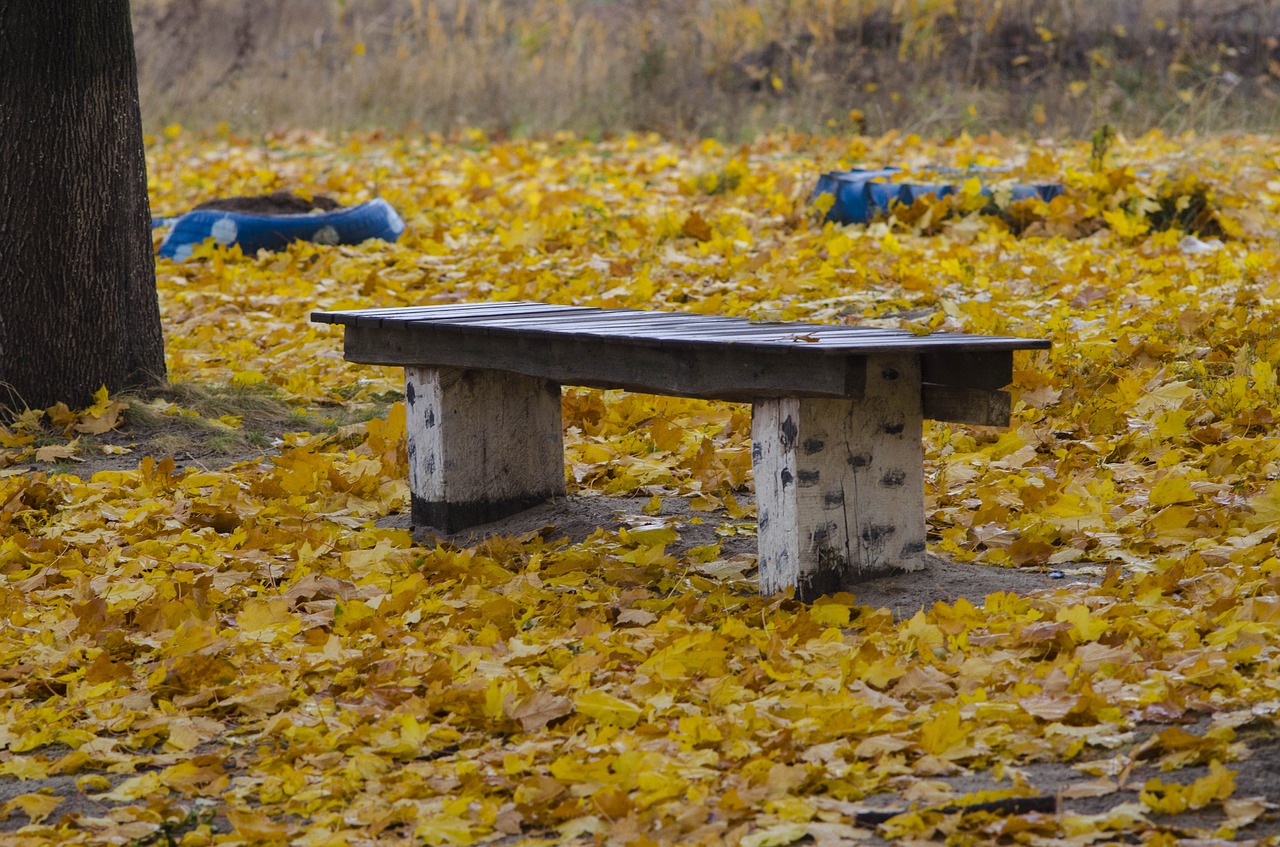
349,225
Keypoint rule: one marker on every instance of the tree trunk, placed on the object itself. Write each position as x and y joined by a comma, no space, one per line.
78,306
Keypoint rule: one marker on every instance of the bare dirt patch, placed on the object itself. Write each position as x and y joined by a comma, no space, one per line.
576,517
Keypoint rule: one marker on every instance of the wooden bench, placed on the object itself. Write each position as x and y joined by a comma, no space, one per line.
837,415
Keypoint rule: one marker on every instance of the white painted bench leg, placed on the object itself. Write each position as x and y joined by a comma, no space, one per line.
483,445
840,484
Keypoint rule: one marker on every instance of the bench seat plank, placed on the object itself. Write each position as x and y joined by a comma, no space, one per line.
967,369
801,339
786,342
716,373
957,404
379,317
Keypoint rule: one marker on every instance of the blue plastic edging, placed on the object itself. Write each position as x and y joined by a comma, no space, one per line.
351,225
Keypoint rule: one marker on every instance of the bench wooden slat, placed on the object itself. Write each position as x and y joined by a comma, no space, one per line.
639,325
717,374
970,369
562,323
546,313
381,317
693,339
679,328
956,404
494,308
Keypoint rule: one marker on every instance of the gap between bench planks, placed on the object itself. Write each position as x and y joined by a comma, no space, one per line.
837,415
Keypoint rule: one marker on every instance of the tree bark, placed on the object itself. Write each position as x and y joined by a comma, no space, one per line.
78,304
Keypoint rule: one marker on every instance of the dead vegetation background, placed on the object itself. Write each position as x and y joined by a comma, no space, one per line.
723,67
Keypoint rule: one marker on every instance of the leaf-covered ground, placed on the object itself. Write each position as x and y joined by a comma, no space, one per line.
243,655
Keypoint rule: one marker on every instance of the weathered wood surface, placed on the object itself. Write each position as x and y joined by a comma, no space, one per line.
968,369
483,445
840,483
685,355
966,405
721,373
499,320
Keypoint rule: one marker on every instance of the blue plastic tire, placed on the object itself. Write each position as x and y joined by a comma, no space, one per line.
862,195
350,225
858,197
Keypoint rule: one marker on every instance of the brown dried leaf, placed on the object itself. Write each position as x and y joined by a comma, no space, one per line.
538,709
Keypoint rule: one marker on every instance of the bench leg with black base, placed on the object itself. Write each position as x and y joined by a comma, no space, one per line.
483,445
840,484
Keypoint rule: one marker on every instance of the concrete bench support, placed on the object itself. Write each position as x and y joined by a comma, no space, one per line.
483,445
840,483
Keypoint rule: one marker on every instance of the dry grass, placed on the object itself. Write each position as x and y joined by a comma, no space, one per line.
226,421
725,67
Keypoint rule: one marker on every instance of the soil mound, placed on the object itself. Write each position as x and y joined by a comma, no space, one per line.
277,203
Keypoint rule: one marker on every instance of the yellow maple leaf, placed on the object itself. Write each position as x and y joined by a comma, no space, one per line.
1086,626
256,826
823,203
881,672
943,733
93,783
103,416
1170,490
57,452
1172,798
36,806
25,767
1218,784
1124,224
608,709
135,788
776,836
267,620
831,614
